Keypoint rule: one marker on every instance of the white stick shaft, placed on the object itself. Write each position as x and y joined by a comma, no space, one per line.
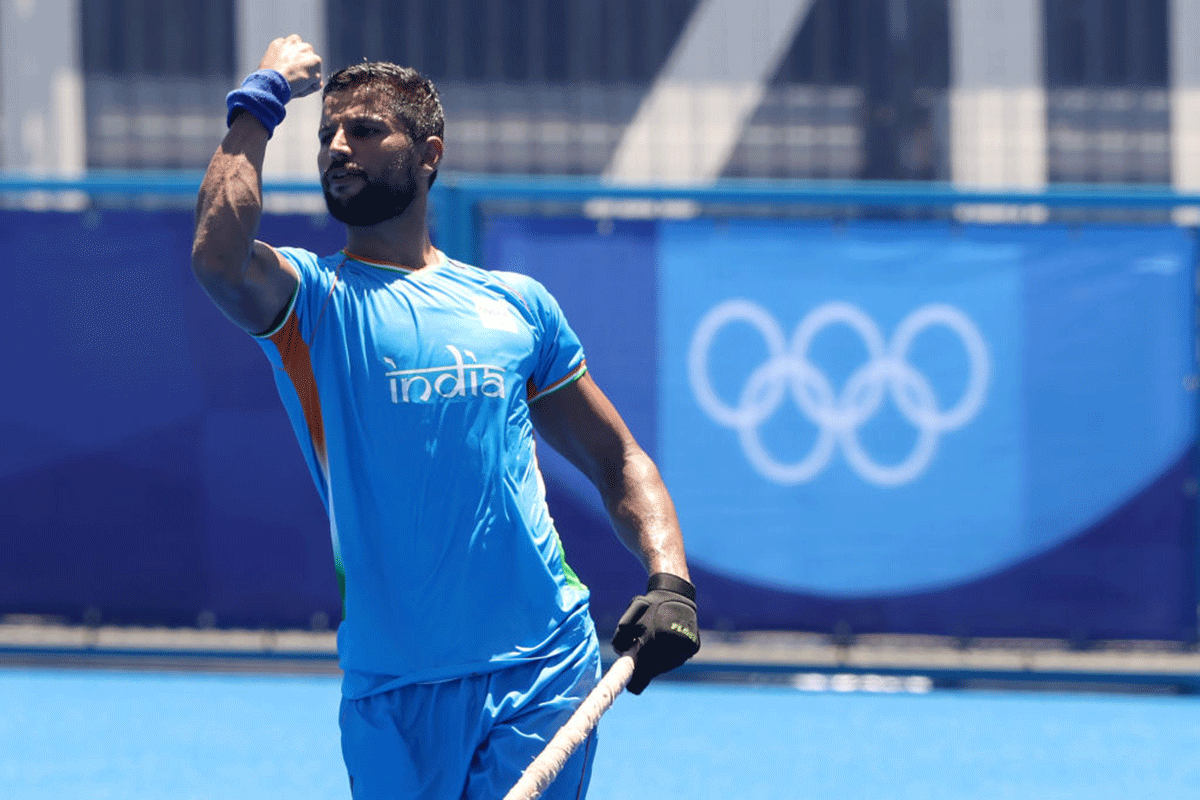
545,768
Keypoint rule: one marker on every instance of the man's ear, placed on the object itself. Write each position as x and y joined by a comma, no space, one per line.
431,154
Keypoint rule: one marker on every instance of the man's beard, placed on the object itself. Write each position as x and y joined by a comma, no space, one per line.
375,202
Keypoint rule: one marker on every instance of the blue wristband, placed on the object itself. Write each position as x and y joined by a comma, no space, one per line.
263,95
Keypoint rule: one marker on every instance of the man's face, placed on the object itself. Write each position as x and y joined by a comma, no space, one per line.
366,159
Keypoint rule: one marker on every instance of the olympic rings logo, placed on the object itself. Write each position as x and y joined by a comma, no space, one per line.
838,416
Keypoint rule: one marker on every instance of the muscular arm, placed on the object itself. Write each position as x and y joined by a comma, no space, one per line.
580,422
247,279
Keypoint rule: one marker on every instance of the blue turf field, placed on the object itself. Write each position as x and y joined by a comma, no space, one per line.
97,735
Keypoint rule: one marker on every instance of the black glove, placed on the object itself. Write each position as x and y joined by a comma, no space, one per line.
658,629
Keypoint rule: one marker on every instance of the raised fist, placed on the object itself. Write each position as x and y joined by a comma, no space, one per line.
295,59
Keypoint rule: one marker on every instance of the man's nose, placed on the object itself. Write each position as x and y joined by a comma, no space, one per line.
339,144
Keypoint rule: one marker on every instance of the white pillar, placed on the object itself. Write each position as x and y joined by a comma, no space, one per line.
997,94
1185,94
689,123
292,152
41,88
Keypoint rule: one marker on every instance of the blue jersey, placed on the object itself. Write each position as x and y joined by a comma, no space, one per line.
409,392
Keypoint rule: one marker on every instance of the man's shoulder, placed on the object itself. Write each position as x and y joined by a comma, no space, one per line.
520,289
529,290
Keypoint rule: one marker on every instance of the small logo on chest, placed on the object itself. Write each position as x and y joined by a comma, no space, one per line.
495,314
463,378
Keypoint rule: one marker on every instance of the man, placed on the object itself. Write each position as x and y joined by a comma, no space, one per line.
414,384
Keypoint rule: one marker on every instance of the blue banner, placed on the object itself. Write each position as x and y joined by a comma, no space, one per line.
901,408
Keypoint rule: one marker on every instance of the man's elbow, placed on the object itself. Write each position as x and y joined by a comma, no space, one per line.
214,268
208,271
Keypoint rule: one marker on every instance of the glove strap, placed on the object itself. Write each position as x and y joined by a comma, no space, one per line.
262,95
673,583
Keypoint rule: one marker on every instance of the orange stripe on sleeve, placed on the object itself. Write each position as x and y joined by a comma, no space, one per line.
534,393
298,364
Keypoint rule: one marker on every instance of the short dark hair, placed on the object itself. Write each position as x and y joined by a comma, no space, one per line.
411,96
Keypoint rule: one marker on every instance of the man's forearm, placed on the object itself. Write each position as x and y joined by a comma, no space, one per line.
229,206
660,627
644,517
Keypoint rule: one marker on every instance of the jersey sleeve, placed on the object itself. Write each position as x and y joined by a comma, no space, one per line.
559,353
286,346
311,289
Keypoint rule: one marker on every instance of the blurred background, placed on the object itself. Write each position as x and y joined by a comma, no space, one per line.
1002,94
900,295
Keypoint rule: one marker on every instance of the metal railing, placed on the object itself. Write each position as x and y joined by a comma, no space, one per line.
456,198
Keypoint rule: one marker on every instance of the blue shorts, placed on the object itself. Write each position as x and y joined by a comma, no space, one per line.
472,737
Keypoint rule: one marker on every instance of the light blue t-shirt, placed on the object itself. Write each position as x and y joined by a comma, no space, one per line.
409,392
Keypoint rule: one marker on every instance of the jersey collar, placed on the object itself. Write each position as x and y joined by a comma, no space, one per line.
441,262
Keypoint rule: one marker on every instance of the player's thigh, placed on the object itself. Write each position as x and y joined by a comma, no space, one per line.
412,743
499,765
532,703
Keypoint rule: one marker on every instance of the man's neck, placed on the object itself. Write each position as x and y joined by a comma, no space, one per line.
402,241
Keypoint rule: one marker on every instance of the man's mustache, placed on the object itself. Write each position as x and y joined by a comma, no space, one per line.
346,167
